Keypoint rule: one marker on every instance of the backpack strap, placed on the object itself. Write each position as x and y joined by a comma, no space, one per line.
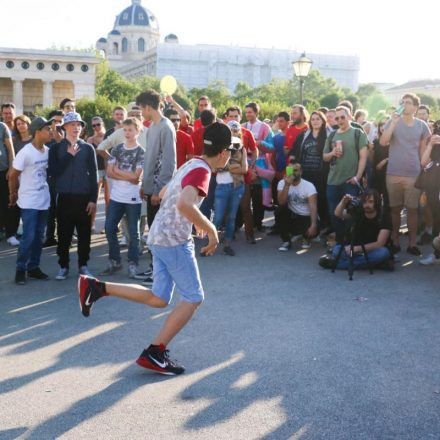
330,138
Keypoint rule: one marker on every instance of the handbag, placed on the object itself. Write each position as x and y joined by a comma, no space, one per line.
429,178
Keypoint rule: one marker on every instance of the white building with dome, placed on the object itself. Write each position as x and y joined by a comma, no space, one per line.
134,49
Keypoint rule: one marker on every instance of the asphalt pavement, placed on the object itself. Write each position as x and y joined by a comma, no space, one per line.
280,349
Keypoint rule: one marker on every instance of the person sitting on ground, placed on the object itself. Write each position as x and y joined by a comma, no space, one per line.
373,226
298,208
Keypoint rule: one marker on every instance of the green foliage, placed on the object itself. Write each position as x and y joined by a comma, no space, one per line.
278,95
101,106
427,100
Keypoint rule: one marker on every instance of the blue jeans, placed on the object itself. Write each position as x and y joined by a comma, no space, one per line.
31,242
227,202
115,212
334,196
207,205
375,257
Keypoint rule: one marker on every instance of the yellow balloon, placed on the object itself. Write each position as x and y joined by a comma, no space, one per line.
168,85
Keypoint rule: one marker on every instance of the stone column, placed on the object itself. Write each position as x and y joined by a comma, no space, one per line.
47,94
17,95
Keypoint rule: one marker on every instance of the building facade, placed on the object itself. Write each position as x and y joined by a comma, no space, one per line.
134,49
429,87
42,78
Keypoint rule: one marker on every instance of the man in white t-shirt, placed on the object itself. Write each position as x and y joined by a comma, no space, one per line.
32,196
298,212
125,167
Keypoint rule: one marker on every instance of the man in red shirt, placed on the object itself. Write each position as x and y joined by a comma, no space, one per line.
299,117
234,114
244,214
184,142
207,117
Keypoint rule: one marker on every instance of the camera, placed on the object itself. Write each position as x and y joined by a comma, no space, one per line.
355,207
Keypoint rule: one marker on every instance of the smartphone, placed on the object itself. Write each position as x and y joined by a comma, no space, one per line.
289,171
399,110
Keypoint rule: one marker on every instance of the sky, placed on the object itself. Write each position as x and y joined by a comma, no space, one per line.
395,40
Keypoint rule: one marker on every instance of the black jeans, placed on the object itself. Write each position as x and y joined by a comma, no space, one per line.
291,224
434,205
51,220
71,214
9,217
257,204
151,211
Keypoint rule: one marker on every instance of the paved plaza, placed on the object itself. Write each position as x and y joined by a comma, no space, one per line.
281,349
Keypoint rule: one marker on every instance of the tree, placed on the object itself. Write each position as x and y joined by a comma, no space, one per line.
331,100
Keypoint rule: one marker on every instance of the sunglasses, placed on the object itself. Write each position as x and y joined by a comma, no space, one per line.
175,120
337,118
96,125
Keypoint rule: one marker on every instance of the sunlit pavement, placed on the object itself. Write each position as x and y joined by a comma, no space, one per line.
280,349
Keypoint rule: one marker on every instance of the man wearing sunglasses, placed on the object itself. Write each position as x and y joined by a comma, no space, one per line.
184,142
346,149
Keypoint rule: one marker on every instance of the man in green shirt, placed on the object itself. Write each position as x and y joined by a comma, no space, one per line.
346,149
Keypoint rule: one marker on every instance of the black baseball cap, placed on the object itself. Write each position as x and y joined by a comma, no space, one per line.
218,136
38,123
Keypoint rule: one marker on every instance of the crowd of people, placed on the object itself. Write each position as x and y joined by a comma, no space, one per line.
331,176
311,171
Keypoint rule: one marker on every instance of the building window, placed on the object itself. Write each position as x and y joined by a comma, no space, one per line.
141,45
25,65
10,64
115,48
124,45
141,16
55,66
125,16
70,67
40,66
85,68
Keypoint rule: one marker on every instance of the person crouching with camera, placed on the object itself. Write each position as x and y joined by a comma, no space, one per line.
371,227
298,208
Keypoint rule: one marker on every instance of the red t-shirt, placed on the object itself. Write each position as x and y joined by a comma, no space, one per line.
248,140
197,138
198,178
188,129
184,147
250,145
291,135
198,124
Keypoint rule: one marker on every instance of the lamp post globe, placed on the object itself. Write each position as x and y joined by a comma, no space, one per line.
301,68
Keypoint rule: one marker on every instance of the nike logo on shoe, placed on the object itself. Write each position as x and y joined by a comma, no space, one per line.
160,364
87,302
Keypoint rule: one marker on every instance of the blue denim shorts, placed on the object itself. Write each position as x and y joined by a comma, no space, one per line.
176,266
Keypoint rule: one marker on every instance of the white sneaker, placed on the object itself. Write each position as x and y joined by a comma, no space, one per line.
123,241
132,271
430,259
12,241
306,244
285,246
62,274
84,270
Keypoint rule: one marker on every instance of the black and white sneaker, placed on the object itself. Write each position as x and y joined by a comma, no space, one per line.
156,358
147,282
143,275
90,290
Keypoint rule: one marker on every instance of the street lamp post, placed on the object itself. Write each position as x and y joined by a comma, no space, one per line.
302,67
